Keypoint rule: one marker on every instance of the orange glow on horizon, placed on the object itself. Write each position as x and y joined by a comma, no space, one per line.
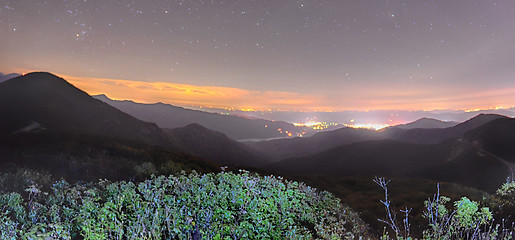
193,95
252,100
238,99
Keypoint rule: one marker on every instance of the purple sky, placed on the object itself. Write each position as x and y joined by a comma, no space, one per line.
296,55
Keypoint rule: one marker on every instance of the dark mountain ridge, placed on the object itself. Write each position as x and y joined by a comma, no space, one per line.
279,149
497,137
452,161
48,103
235,127
437,135
426,123
40,107
51,123
200,141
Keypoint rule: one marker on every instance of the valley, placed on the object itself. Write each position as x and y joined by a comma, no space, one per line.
54,129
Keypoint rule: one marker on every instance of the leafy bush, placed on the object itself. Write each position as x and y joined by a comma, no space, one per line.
507,190
183,206
467,221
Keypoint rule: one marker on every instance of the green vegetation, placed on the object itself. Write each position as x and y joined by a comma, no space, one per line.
89,158
233,206
183,206
363,195
467,220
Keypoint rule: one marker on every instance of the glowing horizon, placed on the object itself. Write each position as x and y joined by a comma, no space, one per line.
272,55
246,100
237,99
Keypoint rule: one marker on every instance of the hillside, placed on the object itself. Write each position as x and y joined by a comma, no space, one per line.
438,135
43,102
452,160
48,124
169,116
45,105
200,141
89,158
497,137
279,149
426,123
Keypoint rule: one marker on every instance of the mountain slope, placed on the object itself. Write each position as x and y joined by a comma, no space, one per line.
217,147
48,124
426,123
44,102
438,135
496,137
89,158
452,160
279,149
169,116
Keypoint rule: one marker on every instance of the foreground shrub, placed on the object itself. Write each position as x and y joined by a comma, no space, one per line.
503,201
466,221
193,206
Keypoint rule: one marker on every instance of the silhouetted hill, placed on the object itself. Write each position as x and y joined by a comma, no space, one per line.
452,160
279,149
169,116
438,154
426,123
48,124
43,102
497,137
438,135
200,141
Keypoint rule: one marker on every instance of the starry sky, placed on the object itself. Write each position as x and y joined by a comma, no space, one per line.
308,55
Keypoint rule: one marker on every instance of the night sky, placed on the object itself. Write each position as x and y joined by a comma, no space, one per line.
272,54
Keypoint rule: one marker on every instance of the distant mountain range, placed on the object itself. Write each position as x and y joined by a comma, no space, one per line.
4,77
49,124
427,123
450,161
169,116
476,153
44,102
374,116
437,135
279,149
41,108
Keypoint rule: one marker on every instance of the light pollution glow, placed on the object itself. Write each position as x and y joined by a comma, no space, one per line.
368,126
254,100
325,125
272,55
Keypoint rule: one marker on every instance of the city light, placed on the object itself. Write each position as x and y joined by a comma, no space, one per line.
368,126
